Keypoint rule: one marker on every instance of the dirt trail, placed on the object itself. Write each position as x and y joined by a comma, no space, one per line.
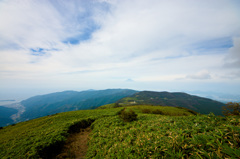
76,145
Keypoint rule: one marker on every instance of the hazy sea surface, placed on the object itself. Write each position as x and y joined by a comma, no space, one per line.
7,102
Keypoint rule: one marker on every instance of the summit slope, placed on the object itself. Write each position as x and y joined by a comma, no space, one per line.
176,99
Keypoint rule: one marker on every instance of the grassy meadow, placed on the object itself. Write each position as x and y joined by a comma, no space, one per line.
157,136
36,138
158,132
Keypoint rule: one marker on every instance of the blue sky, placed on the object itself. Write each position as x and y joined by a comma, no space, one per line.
177,45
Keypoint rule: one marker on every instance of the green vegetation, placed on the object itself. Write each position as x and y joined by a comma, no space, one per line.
231,108
5,114
128,115
198,104
157,136
48,104
35,138
159,132
112,105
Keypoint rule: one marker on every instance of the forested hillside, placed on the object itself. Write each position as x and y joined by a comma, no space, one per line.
70,100
5,114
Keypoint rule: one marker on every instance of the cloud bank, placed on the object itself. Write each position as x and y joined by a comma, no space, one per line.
102,43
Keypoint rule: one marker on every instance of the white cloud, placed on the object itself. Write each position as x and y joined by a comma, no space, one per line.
233,58
204,74
145,40
30,24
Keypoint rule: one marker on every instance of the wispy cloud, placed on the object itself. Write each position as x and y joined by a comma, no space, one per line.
202,75
114,40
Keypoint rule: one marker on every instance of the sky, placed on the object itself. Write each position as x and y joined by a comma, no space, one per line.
175,45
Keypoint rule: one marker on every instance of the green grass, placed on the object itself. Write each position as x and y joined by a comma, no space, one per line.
128,100
112,105
156,136
166,110
171,111
175,134
29,139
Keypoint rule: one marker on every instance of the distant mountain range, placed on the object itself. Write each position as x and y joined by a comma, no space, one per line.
48,104
70,100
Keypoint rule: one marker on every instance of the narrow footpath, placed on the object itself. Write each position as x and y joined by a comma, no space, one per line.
76,145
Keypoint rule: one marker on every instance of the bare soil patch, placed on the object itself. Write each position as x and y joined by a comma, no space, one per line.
76,145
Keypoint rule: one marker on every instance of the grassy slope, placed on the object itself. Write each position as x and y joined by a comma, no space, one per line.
151,135
27,139
198,104
156,136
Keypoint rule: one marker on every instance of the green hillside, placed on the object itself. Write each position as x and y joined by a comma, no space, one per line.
198,104
34,138
48,104
154,136
158,132
43,105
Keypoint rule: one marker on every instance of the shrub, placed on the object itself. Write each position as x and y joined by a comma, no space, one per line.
189,110
147,111
193,112
119,112
157,111
116,105
128,115
231,108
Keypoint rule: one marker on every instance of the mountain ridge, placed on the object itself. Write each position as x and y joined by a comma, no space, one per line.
180,99
48,104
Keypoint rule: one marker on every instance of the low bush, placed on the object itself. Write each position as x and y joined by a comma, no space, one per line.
189,110
231,108
116,105
128,116
147,111
157,111
119,112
